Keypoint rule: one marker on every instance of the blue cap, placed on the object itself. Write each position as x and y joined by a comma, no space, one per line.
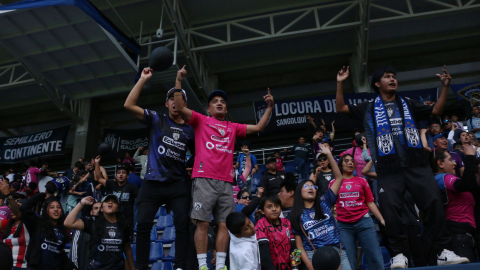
443,134
216,93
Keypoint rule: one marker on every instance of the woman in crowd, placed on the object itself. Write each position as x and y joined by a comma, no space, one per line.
353,219
356,152
323,173
460,202
15,234
110,235
312,218
48,235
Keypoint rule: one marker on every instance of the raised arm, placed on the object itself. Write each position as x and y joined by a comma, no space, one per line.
332,135
131,102
248,164
252,129
341,77
445,79
366,170
98,175
336,171
185,112
71,221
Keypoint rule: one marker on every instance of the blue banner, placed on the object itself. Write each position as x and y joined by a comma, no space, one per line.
291,114
468,91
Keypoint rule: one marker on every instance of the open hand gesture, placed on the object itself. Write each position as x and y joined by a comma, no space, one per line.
325,149
445,78
246,151
181,74
146,73
269,99
343,74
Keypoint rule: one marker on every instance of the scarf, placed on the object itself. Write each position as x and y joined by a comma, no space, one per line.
387,155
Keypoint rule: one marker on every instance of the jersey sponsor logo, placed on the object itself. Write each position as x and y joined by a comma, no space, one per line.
44,246
101,247
218,139
161,150
396,121
350,203
210,145
173,143
214,127
223,148
111,233
312,223
112,241
172,154
320,231
355,194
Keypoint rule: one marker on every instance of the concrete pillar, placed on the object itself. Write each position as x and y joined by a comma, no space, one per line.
87,135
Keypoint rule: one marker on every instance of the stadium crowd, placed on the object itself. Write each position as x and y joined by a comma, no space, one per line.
405,190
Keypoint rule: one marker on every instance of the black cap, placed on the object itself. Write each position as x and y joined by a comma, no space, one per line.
216,93
271,160
172,91
247,143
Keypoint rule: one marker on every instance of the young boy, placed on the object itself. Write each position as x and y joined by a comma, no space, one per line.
244,252
279,159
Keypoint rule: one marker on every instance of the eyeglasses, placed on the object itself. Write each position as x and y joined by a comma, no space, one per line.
322,158
244,197
310,187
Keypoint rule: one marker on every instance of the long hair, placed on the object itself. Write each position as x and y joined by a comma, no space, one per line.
297,208
9,227
341,159
46,224
436,155
122,224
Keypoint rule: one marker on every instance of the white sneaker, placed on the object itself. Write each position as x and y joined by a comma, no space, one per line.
449,257
399,262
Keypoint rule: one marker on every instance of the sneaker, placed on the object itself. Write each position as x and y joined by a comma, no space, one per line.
224,268
399,262
449,257
203,268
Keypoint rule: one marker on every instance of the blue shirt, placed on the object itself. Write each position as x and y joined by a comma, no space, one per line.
323,232
242,160
134,179
167,147
474,123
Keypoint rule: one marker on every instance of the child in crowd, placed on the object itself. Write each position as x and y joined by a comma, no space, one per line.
244,253
279,159
274,234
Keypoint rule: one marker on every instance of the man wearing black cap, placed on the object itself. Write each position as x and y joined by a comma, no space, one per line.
391,122
165,176
272,179
213,170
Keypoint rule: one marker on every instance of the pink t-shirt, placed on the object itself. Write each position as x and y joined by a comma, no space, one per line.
460,207
359,162
352,200
279,163
214,143
31,175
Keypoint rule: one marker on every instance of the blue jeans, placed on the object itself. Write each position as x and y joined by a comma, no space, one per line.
344,260
302,167
364,231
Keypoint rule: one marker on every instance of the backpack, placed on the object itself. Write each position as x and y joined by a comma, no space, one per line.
440,179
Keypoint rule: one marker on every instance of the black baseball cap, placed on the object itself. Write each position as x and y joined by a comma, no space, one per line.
172,91
216,93
271,160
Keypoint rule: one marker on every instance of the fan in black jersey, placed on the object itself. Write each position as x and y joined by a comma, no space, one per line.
110,236
170,138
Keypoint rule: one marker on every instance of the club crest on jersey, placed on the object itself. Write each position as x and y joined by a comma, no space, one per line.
328,177
412,136
222,131
390,112
111,233
288,233
197,206
385,143
176,136
349,187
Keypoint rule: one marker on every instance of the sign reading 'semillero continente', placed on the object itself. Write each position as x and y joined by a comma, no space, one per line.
25,147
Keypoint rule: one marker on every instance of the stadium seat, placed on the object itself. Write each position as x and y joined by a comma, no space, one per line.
162,211
134,251
156,252
164,222
154,235
162,266
171,255
289,167
168,235
68,245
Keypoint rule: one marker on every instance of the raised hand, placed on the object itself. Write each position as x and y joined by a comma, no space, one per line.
468,150
87,201
260,191
246,151
146,73
181,74
4,188
342,75
445,78
325,149
98,158
269,99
